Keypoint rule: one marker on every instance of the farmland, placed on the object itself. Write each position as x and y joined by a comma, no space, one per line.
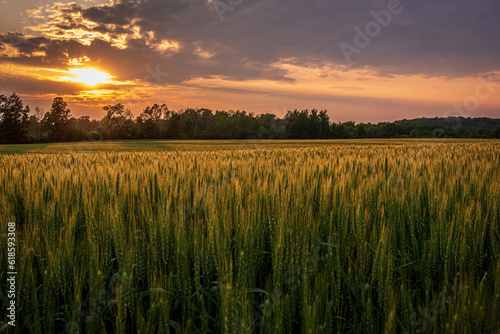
254,236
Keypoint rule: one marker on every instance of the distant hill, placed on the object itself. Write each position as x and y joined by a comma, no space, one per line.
471,124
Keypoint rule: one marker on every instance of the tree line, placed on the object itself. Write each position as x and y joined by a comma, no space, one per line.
19,125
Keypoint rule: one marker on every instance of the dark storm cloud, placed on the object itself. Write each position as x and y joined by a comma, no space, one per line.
23,43
432,38
56,51
449,38
30,87
445,38
120,14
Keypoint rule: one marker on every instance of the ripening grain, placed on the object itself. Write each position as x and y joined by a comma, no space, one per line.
309,238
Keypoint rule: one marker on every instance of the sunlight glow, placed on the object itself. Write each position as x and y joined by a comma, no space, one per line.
88,76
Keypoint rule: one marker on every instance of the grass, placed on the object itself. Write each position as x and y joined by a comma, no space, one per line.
254,236
196,145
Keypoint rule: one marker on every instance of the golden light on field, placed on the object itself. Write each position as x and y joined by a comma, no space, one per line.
88,76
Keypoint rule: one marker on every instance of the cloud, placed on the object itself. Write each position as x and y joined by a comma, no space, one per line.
446,38
289,45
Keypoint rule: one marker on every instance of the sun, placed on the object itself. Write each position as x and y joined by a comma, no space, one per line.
89,76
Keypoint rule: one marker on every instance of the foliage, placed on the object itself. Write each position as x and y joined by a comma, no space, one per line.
158,122
57,120
13,119
118,123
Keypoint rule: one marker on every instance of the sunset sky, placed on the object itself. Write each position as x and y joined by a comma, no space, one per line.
366,61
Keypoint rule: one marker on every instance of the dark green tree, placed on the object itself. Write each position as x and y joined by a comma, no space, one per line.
13,119
118,122
57,121
496,133
299,124
151,120
324,124
361,131
174,126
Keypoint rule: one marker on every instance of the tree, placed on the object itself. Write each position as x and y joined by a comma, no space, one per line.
151,119
324,125
344,130
57,121
496,133
299,125
118,122
392,130
13,119
360,131
191,123
39,113
206,120
174,130
313,125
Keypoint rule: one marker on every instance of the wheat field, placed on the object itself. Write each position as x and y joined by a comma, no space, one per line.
312,237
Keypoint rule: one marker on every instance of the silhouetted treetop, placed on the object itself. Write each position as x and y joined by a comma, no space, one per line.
159,122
